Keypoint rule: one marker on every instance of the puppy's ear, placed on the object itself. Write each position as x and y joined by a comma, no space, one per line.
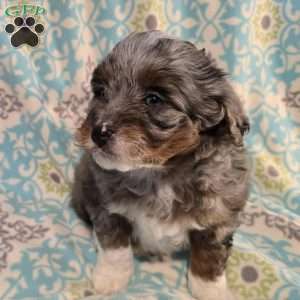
235,117
220,107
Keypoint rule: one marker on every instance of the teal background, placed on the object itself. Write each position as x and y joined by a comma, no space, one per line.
45,251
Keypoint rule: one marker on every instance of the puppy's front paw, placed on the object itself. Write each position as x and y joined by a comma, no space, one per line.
113,271
209,290
107,282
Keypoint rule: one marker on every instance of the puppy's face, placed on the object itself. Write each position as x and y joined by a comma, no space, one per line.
147,95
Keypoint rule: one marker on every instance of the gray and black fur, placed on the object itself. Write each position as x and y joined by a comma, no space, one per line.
189,139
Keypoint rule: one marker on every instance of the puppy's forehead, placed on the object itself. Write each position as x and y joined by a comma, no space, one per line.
152,58
144,46
138,43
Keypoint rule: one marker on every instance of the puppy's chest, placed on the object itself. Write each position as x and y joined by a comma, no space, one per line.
153,233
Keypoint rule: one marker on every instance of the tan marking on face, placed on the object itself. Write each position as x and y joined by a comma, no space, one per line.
132,144
185,139
139,147
132,141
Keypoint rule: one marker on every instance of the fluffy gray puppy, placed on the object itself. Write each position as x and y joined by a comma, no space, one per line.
164,166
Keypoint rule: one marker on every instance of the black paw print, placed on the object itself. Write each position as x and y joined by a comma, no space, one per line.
24,35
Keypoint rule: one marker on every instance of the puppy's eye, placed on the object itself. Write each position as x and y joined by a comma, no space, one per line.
153,99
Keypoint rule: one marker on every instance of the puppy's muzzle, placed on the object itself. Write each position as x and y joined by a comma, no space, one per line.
101,134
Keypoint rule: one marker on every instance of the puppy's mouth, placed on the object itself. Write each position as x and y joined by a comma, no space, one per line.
103,159
119,152
110,161
100,152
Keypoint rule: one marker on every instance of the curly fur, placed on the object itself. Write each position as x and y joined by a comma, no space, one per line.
181,162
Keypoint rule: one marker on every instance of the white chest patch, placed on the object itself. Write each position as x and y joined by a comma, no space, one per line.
153,234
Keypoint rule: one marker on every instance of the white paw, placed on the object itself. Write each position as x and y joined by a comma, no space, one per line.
112,281
113,271
209,290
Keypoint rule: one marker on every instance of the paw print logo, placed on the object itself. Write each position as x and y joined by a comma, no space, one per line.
24,31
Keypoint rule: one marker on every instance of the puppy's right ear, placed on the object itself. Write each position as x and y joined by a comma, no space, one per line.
236,119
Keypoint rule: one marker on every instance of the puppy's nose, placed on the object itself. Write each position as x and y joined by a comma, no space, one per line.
101,134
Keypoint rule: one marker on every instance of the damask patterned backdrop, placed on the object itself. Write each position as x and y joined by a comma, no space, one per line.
45,251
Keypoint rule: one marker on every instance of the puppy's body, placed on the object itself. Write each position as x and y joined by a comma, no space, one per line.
172,171
164,205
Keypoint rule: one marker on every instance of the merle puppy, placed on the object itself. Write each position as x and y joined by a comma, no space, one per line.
164,165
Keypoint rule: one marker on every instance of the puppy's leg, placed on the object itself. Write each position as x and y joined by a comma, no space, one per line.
206,277
115,259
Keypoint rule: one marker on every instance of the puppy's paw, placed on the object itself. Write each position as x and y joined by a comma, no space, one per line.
209,290
113,271
107,282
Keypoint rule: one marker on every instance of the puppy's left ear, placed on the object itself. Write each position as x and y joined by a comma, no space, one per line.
220,106
236,119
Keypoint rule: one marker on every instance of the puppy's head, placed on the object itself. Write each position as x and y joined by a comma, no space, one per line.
153,97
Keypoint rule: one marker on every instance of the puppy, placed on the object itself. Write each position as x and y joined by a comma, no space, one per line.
164,166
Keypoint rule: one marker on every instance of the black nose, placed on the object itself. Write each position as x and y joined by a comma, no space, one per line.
101,134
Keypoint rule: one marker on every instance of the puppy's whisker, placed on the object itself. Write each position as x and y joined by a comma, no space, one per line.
77,144
137,150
